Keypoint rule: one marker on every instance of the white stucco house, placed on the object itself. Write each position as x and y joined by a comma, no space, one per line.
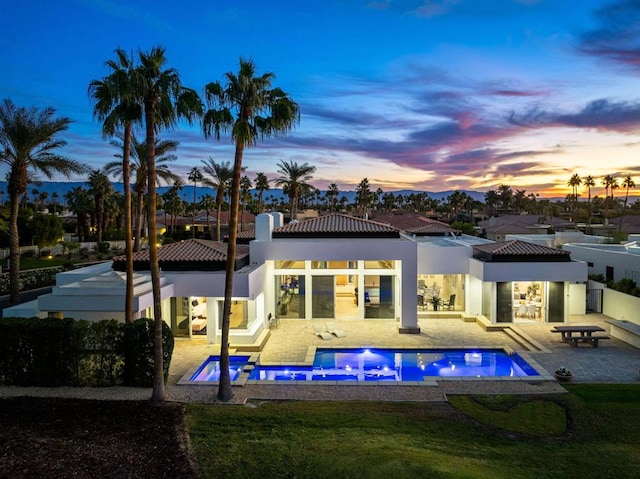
330,267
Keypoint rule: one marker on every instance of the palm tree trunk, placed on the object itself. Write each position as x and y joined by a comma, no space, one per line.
225,393
159,394
218,220
139,221
128,250
14,250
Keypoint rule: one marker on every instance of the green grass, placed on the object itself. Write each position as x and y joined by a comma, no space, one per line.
590,433
37,263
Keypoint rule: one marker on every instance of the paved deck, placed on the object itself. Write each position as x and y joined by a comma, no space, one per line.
613,361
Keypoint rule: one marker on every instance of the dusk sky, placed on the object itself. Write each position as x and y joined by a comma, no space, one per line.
430,95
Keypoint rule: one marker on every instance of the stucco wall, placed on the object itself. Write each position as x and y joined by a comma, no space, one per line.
624,264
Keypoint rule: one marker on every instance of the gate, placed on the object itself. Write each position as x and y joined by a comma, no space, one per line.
594,300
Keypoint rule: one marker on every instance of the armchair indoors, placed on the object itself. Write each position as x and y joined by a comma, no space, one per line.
451,304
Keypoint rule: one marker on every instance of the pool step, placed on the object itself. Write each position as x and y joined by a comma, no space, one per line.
523,339
256,346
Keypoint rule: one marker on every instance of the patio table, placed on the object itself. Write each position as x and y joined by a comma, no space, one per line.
580,334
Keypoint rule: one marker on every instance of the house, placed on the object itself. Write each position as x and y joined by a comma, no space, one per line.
497,227
331,267
613,261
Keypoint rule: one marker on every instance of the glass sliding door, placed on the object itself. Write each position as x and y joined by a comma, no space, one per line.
322,297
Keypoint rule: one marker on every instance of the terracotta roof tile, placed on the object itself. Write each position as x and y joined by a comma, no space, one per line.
190,254
434,228
519,250
336,226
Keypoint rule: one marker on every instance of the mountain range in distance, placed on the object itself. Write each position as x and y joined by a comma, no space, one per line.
62,187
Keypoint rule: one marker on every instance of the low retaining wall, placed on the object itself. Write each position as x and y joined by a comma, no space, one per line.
625,331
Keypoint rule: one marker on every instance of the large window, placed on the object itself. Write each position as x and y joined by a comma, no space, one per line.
379,264
334,264
290,293
441,291
322,299
289,264
379,297
239,314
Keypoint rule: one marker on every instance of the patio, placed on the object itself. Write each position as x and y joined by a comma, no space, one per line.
613,361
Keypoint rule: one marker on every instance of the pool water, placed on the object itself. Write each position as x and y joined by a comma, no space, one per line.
398,365
210,369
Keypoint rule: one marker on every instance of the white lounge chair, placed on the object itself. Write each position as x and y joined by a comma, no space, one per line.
338,333
320,333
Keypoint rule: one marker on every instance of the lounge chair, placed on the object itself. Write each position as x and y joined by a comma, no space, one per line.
320,333
338,333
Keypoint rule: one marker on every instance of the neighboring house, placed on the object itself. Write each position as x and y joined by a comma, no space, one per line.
331,267
613,261
497,228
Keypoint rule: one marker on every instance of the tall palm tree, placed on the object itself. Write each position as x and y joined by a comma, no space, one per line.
245,195
574,182
115,104
220,175
261,185
100,187
249,107
80,202
332,195
589,182
207,204
164,100
195,176
627,183
164,155
28,146
293,180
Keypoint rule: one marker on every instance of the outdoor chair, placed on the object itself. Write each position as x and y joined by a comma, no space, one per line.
338,333
320,333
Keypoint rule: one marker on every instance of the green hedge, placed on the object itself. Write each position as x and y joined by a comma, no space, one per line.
65,352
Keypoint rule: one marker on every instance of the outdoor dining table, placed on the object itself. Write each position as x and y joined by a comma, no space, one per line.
575,334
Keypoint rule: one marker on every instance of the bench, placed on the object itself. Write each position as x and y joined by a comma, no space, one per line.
593,340
626,331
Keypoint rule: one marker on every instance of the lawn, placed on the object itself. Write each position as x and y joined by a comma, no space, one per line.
590,433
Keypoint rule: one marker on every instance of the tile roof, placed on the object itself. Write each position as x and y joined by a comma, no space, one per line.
192,254
336,225
244,237
518,251
436,228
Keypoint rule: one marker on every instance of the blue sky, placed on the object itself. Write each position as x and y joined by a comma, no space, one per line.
423,94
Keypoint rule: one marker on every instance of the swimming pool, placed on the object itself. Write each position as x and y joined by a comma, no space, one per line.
210,369
400,365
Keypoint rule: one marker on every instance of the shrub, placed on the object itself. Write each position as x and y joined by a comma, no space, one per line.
103,247
137,349
55,352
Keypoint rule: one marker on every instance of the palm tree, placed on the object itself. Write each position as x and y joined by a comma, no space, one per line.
28,146
195,176
363,195
261,185
627,183
574,182
332,195
100,187
250,108
220,175
245,194
164,100
115,104
207,204
589,182
80,202
293,180
163,149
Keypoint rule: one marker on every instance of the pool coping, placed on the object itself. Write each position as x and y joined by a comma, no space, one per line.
254,358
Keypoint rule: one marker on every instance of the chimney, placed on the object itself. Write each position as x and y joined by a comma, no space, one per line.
264,226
